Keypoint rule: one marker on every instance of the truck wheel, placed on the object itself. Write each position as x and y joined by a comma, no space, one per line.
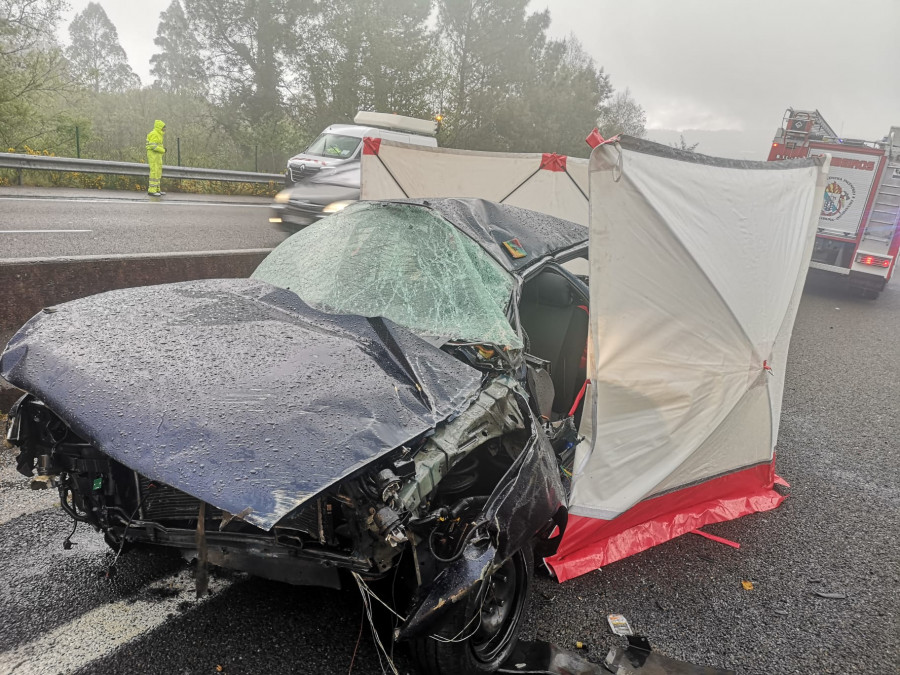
866,293
483,630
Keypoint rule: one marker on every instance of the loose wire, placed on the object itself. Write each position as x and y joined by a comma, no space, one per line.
366,591
112,565
362,622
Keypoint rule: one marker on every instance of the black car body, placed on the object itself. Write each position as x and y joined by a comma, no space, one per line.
407,408
315,196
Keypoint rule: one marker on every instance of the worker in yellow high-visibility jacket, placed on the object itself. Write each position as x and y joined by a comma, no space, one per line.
155,152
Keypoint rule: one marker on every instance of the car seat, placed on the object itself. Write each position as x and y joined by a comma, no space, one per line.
555,322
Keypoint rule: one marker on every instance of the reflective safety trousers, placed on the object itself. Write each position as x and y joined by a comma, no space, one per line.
155,160
155,152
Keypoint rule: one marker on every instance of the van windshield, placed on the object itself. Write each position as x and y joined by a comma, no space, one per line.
334,145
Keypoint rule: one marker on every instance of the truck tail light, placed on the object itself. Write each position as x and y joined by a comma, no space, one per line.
873,260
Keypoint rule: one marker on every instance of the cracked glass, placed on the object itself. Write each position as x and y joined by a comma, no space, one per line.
402,262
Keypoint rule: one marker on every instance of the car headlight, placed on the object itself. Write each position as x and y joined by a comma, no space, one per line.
334,207
283,197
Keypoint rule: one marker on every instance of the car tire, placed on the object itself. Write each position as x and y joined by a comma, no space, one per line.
502,606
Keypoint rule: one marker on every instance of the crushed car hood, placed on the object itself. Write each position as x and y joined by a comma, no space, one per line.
235,391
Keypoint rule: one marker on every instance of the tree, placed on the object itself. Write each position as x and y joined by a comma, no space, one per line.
28,25
399,57
560,104
683,145
32,71
95,56
509,87
365,54
491,47
622,115
178,67
266,75
244,43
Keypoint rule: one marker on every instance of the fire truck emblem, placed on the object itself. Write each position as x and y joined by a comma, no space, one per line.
839,195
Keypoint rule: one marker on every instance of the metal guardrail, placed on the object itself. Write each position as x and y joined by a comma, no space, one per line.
21,162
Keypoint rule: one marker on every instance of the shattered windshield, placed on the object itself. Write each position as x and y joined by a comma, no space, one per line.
402,262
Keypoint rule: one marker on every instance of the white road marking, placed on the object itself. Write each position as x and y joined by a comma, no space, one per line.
157,200
100,631
38,231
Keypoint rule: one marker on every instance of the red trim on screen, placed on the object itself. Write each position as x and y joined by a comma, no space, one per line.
590,543
371,146
553,162
594,138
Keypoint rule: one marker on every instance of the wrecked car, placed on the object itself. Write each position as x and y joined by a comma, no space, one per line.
393,395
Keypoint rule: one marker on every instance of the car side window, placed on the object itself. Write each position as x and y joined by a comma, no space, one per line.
554,316
580,267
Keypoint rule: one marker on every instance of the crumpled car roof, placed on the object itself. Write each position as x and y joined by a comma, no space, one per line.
490,224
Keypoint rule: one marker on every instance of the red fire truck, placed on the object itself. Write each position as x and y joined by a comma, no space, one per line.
859,226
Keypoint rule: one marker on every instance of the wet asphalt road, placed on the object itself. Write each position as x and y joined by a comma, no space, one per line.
837,532
49,222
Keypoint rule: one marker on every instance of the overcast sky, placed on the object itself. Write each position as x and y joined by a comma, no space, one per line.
722,66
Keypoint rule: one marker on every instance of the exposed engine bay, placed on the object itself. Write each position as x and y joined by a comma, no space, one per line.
439,498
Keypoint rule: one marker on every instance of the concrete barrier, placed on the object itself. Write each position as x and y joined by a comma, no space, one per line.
28,285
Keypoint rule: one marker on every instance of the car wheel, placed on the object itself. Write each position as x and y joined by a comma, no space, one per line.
480,645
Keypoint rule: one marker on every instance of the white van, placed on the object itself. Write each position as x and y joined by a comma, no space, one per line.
325,177
341,144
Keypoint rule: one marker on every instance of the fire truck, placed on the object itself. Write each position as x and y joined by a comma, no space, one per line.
859,226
